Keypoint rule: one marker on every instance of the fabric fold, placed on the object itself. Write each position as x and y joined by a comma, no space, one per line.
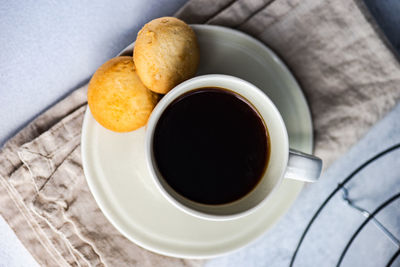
348,75
47,191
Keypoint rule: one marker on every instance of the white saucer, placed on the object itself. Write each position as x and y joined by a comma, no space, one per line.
117,176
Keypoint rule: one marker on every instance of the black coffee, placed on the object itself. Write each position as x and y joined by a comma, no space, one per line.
211,146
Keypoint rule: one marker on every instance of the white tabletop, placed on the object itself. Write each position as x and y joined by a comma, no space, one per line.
49,48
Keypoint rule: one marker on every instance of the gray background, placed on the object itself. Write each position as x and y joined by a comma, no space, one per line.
48,48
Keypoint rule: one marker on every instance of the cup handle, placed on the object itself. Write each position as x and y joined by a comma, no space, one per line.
303,167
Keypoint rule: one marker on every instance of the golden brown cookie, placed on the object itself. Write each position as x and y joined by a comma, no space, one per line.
166,53
117,98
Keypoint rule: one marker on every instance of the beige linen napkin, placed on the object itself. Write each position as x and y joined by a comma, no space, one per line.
349,76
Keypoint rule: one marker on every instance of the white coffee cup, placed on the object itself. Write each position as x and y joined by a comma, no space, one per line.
283,162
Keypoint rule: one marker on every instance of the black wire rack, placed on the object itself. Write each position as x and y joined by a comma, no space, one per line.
369,216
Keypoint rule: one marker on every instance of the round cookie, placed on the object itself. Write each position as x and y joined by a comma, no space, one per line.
117,98
166,53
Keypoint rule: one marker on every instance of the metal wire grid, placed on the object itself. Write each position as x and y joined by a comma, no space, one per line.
369,216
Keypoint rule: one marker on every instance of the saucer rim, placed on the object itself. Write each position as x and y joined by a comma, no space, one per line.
107,210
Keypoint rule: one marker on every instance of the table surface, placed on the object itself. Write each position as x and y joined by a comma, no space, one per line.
49,48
